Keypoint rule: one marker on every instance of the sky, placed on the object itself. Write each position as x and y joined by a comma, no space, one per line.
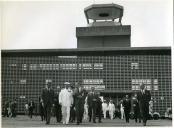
52,25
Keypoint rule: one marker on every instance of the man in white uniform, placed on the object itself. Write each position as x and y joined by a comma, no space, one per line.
104,108
111,109
66,100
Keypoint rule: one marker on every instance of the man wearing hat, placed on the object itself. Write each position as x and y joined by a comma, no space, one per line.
47,97
66,101
144,97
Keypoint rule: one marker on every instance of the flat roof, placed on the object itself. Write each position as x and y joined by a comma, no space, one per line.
88,51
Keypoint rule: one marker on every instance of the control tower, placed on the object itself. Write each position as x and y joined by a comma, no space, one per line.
104,27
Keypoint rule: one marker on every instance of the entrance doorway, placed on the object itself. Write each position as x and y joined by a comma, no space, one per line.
116,97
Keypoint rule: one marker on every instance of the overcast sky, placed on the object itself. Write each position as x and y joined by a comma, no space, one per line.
44,25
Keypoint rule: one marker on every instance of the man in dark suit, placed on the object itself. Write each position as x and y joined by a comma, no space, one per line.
127,107
99,108
92,104
58,112
79,103
144,97
31,107
41,109
136,108
48,98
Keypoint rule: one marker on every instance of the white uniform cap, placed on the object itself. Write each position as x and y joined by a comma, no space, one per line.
67,83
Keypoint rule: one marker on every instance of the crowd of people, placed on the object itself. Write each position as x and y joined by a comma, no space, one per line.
10,109
74,104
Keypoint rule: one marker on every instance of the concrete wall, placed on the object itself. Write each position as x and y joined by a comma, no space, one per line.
103,36
103,41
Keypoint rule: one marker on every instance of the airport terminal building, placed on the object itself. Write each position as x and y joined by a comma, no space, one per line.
103,59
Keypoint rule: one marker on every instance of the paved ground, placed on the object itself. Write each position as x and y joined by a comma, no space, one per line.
25,121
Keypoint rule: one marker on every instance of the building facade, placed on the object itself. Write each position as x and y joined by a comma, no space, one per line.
114,72
103,59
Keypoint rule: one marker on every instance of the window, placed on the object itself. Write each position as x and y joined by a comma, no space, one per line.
24,66
93,81
87,66
155,81
134,66
98,65
48,80
155,87
23,81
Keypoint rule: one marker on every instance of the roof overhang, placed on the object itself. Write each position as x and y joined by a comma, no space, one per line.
103,12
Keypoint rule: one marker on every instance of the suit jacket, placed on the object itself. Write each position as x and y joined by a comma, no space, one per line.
127,105
47,96
92,99
143,100
135,104
31,105
56,99
79,99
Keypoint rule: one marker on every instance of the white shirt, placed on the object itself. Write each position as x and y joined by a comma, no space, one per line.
121,107
65,97
111,107
104,106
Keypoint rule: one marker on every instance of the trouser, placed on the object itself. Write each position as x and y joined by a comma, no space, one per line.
104,113
144,112
65,114
47,113
6,112
122,114
137,115
58,113
92,111
72,114
79,114
85,113
30,112
99,112
127,116
111,113
12,112
144,116
42,114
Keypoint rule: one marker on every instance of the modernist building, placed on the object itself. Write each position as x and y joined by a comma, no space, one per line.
103,59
